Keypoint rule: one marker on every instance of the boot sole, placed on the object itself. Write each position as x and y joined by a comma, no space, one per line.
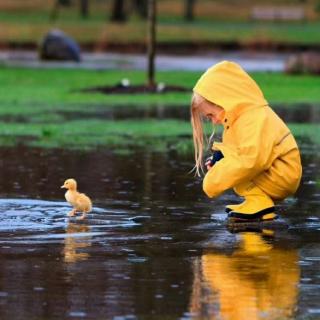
258,216
250,221
235,226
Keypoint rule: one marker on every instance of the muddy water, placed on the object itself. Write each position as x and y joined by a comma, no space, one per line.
153,248
104,61
299,113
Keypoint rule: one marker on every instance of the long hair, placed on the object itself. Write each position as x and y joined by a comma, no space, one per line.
199,138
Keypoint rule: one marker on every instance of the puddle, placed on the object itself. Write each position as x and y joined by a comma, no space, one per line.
153,242
102,61
296,113
27,220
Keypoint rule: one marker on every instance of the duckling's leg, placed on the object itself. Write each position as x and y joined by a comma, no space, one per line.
84,214
72,213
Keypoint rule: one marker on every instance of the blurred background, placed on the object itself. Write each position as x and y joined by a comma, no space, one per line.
182,25
101,25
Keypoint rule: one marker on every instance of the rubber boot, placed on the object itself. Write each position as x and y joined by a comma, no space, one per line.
258,206
233,207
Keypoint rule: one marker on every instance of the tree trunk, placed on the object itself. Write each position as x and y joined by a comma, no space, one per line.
151,41
189,10
141,8
55,10
118,11
84,8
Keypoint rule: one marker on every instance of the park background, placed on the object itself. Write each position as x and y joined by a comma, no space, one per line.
154,246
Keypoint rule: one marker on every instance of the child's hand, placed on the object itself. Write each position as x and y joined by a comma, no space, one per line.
210,162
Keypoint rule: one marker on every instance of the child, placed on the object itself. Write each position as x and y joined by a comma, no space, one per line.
259,157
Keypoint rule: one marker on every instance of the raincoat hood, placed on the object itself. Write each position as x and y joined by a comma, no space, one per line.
229,86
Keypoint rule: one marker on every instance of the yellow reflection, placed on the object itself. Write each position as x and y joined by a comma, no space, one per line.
257,281
73,245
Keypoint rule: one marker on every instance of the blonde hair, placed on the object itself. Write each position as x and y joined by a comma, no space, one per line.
199,138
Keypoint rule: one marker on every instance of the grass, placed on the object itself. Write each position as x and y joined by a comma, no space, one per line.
33,104
100,34
216,22
122,135
94,133
29,91
306,133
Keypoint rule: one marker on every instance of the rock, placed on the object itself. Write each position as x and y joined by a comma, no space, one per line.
56,45
303,63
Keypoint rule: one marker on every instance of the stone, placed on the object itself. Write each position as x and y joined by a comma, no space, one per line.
56,45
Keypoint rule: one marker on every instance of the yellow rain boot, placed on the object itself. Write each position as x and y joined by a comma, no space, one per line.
257,205
232,207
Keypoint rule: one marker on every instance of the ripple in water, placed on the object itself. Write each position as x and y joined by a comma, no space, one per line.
27,219
29,215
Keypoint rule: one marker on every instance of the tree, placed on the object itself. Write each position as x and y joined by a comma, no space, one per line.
118,11
317,6
84,8
141,7
189,10
151,41
56,8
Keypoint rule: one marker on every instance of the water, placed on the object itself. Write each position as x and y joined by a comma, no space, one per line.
154,246
251,61
298,113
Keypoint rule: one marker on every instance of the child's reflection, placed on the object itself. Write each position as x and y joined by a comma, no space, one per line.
74,245
258,281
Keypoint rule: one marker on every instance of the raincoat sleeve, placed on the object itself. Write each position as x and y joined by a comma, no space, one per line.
243,160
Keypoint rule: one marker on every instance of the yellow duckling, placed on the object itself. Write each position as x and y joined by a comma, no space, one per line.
79,201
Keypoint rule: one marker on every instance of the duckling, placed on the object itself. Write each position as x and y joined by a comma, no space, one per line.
79,201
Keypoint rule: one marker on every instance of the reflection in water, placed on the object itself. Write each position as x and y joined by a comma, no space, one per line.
296,113
75,244
257,281
131,257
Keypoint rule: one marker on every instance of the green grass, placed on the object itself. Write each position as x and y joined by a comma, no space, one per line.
88,134
31,91
22,27
157,135
215,22
26,91
33,103
309,131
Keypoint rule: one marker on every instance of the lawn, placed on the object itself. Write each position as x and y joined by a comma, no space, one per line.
46,107
216,22
26,90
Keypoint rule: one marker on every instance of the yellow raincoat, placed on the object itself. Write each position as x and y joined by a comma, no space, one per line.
256,144
257,281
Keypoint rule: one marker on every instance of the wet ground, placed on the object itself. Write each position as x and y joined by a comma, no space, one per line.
250,60
296,113
154,246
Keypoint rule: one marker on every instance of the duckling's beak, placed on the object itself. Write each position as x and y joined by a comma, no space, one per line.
62,187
